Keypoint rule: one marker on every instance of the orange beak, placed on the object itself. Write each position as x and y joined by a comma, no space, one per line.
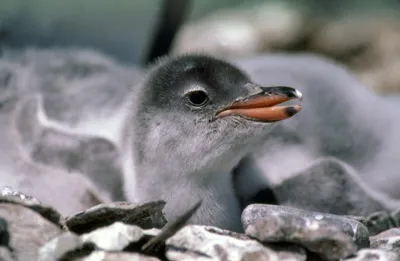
261,107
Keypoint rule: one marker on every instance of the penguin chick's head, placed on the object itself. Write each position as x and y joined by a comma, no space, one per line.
203,111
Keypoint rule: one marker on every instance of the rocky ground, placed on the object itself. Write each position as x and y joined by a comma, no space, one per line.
129,231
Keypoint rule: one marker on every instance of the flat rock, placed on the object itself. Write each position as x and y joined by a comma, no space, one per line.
146,216
4,233
388,240
194,242
28,230
14,197
330,236
331,186
116,256
374,255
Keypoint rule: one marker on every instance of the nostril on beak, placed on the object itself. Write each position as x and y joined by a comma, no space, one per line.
284,91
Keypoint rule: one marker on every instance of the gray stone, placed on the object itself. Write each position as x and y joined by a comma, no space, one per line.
388,240
374,255
194,242
28,230
116,256
57,247
323,235
146,216
357,231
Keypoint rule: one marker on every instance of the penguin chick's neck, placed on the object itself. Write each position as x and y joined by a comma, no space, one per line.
165,177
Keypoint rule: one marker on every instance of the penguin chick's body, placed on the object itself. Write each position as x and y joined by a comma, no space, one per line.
192,119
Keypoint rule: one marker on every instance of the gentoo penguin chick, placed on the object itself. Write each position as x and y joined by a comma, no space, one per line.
192,119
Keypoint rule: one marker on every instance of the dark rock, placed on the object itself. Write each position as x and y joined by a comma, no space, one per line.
330,186
11,196
28,230
380,221
327,235
194,242
387,240
148,215
374,255
4,233
396,217
99,255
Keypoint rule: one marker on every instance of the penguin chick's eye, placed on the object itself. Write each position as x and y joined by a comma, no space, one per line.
197,98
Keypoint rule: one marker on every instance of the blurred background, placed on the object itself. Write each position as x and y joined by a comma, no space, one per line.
363,34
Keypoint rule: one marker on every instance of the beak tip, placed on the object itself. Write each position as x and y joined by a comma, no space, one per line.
298,94
292,110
